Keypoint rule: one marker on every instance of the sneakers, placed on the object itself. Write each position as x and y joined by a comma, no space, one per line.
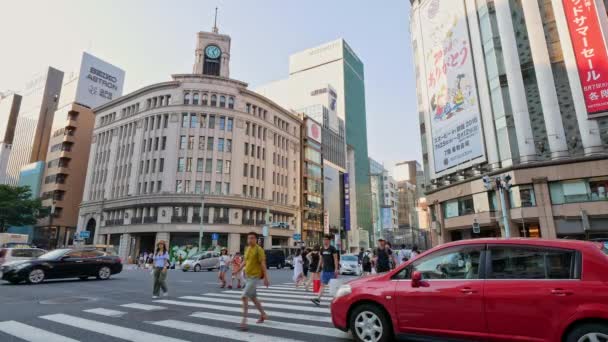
166,294
316,302
155,297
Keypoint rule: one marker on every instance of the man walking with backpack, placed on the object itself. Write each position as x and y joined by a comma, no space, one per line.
366,262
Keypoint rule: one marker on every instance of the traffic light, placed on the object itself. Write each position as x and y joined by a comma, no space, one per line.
487,182
506,182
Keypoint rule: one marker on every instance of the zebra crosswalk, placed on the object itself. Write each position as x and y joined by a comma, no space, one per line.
206,316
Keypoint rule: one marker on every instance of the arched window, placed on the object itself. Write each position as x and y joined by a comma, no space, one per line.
195,99
187,98
213,100
205,99
222,101
231,102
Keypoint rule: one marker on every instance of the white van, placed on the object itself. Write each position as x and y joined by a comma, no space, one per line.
18,254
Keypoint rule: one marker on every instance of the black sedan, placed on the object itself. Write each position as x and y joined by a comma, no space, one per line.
62,263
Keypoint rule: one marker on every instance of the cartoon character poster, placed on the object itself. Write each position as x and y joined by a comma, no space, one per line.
453,106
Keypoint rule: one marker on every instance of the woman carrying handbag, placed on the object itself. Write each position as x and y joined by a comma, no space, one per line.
161,263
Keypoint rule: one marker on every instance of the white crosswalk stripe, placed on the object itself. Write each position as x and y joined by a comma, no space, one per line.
106,312
262,298
220,332
271,293
307,329
220,314
128,334
270,305
31,334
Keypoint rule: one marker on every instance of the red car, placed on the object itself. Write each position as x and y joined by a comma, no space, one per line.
484,290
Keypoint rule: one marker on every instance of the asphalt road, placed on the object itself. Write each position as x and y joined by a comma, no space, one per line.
122,309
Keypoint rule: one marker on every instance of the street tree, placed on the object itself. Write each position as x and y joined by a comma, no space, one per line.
18,208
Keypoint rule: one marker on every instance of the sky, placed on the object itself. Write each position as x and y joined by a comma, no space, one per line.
152,39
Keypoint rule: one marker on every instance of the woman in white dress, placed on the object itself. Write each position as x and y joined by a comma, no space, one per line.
298,268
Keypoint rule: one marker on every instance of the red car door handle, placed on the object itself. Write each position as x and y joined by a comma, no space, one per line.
561,292
467,290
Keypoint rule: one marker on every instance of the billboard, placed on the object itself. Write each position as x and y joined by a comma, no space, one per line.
313,130
99,82
345,178
387,222
590,52
453,108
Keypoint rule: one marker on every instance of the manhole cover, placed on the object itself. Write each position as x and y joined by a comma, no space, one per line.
68,300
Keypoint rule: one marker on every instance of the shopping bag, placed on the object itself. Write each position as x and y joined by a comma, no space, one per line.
316,285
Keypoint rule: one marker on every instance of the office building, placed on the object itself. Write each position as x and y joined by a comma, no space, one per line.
314,224
96,83
33,125
513,90
9,109
310,71
199,153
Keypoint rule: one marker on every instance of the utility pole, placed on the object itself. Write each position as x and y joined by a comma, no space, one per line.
502,184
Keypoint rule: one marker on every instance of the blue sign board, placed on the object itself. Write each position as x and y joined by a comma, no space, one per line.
387,222
346,202
215,236
85,234
297,237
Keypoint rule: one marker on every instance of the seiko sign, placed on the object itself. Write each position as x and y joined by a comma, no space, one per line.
99,82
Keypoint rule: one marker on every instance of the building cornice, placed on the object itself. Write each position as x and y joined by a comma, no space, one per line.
137,93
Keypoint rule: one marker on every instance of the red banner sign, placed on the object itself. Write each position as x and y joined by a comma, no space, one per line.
590,51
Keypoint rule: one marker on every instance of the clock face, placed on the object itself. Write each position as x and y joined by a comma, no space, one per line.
213,51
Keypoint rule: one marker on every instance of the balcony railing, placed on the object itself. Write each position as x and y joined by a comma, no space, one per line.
179,219
115,222
220,220
136,220
250,222
196,219
150,219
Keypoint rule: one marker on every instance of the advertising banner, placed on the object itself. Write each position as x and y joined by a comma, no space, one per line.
99,82
450,79
346,202
313,130
387,222
590,52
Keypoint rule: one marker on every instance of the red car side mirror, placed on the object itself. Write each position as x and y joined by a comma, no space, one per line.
417,280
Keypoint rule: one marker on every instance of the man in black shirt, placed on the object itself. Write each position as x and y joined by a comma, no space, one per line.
329,266
384,256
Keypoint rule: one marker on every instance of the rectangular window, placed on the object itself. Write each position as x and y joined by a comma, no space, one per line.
228,145
218,188
212,121
159,186
207,187
259,152
245,169
181,164
165,120
156,144
153,165
220,144
251,169
191,142
203,120
182,142
246,149
188,164
226,188
257,175
199,165
179,186
147,166
245,190
198,187
253,128
185,122
515,262
163,145
161,165
229,124
208,165
227,164
219,166
193,120
187,186
209,143
222,123
201,143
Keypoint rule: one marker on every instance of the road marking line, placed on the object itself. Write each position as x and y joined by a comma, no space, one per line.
288,292
285,288
220,332
106,312
270,305
283,295
302,317
263,298
128,334
31,334
144,307
302,328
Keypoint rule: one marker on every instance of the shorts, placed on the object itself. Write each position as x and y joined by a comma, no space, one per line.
224,268
367,268
305,271
327,276
250,288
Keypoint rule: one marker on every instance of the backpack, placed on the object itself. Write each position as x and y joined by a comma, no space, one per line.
366,260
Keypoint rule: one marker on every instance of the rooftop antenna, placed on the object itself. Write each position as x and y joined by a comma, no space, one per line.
215,30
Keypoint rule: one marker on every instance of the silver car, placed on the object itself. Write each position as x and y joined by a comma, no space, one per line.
204,261
349,264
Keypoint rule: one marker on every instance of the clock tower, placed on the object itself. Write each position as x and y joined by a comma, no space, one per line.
212,55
